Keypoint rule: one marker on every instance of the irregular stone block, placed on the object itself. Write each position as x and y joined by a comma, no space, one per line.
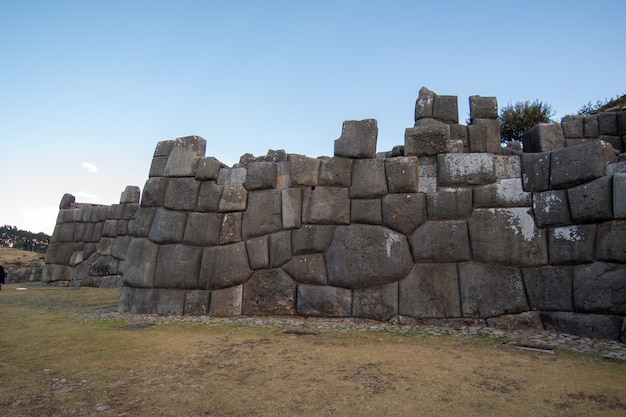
572,244
465,169
170,302
549,288
611,241
184,157
424,104
365,256
614,141
358,139
551,208
368,179
599,288
203,229
130,195
483,107
404,212
445,109
197,303
224,266
607,123
596,326
489,290
125,300
572,126
264,214
226,302
535,171
279,248
168,226
325,205
430,291
234,198
182,194
291,200
258,252
209,196
59,253
154,192
503,193
427,140
307,269
544,137
144,301
592,202
616,168
459,133
507,166
208,169
231,176
269,292
402,174
230,231
366,211
141,263
452,203
507,236
304,171
578,164
261,176
178,266
484,136
441,241
376,303
590,126
157,167
619,196
311,239
164,148
323,301
336,172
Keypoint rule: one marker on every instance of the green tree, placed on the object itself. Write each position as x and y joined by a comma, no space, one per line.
515,119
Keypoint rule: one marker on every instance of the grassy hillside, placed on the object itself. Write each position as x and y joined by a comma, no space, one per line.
17,258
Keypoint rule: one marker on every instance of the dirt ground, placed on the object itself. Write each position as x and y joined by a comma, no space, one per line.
57,360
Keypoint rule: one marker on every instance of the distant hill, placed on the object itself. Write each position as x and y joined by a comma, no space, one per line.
12,237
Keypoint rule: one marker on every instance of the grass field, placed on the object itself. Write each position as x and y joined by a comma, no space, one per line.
16,258
57,360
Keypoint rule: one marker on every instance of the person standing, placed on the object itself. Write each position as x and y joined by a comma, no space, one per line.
1,276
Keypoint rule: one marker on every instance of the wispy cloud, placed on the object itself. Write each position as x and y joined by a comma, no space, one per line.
84,197
89,167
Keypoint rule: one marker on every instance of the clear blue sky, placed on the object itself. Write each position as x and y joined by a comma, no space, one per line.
88,88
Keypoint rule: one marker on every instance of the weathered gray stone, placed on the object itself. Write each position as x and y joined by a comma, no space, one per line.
230,176
536,171
325,205
154,192
402,174
544,137
261,176
307,269
224,266
368,178
441,241
279,248
269,292
592,202
465,169
59,253
365,256
358,139
336,172
427,140
157,166
130,195
527,320
304,171
607,123
615,141
404,212
572,244
507,236
184,157
599,288
125,300
428,122
551,208
502,193
484,136
424,104
590,126
164,148
621,123
178,266
139,226
572,126
549,288
619,196
230,231
234,198
446,109
450,203
489,290
324,301
579,164
203,229
168,226
597,326
258,252
430,290
141,263
208,169
311,239
264,213
144,301
366,211
483,107
197,303
226,302
182,194
611,241
170,302
459,133
209,196
376,303
507,166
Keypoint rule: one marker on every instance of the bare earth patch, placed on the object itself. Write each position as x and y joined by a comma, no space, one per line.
57,361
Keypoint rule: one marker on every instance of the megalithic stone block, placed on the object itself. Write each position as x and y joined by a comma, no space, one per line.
358,139
446,109
579,164
184,157
544,137
483,107
427,140
424,104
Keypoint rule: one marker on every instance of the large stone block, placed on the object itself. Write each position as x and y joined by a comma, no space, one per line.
596,326
311,239
144,301
592,202
619,195
269,292
261,176
182,194
203,229
178,266
366,211
358,139
465,169
404,212
459,134
611,241
291,200
502,193
424,104
170,302
579,164
549,288
230,176
307,269
365,256
441,241
154,192
572,126
484,136
450,203
157,166
368,179
507,166
544,137
230,230
59,253
304,171
427,140
324,301
551,208
402,174
208,169
264,214
226,302
184,157
197,303
141,263
258,252
483,107
599,288
376,303
279,245
446,109
590,126
224,266
209,196
125,300
430,291
621,123
572,244
335,172
234,198
607,123
325,205
507,236
536,171
168,226
489,290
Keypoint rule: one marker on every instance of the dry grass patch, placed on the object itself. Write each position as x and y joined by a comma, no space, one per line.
17,258
55,361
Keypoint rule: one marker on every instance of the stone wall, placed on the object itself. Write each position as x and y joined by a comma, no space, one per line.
30,274
442,228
